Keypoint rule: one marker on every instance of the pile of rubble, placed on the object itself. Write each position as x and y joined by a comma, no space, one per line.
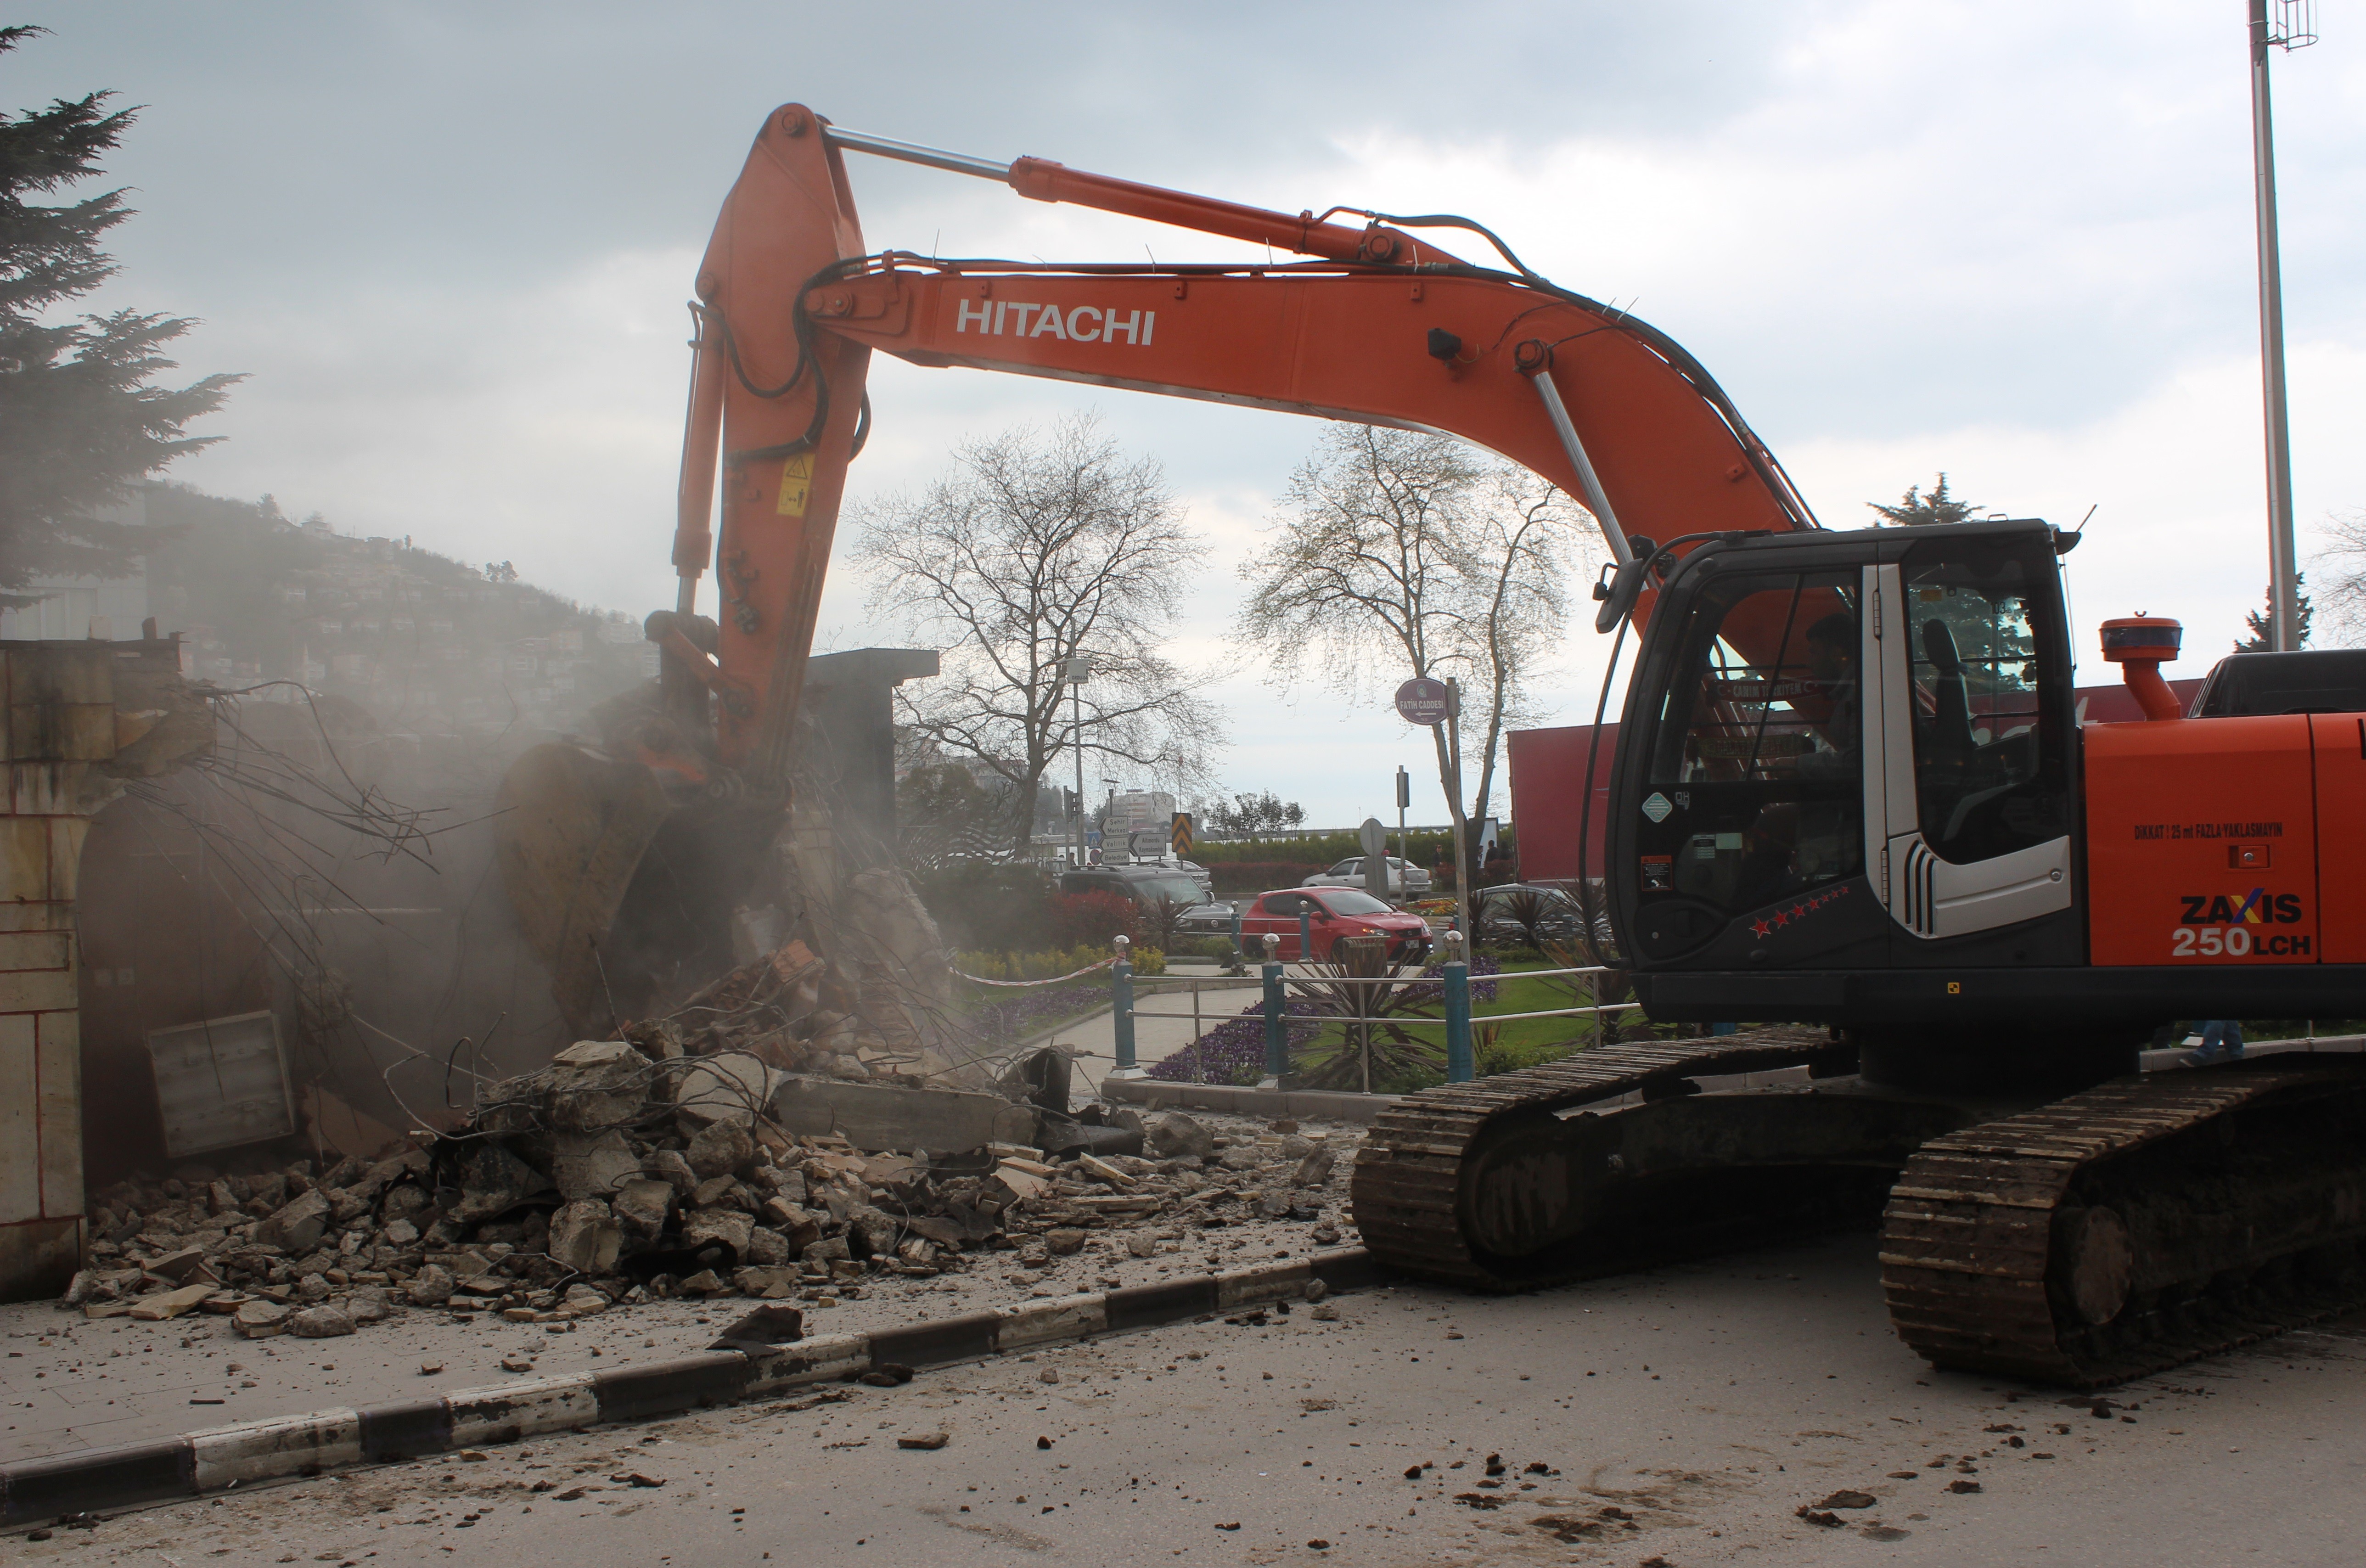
625,1172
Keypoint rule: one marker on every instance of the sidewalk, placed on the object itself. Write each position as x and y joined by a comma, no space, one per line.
1093,1038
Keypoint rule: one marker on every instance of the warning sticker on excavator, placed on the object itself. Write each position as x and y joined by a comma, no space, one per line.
796,484
1657,807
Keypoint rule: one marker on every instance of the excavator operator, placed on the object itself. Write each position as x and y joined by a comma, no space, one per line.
1831,663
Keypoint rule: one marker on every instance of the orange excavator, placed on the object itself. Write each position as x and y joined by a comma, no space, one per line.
1852,805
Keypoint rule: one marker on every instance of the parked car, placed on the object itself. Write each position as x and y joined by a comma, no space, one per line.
1332,913
1405,881
1211,920
1143,884
1494,916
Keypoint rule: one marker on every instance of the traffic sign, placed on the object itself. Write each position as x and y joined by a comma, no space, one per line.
1424,701
1179,834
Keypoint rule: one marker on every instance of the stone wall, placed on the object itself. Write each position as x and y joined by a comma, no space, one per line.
81,719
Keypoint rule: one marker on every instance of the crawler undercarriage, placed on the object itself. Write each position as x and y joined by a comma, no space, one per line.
2081,1240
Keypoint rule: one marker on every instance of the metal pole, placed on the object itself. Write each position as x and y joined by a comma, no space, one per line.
1122,1011
1277,1034
1456,975
1405,844
1595,500
1077,666
1305,936
2283,586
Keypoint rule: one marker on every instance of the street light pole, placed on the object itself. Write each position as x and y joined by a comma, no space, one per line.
2283,581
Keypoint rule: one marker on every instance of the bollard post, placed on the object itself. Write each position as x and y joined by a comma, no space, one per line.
1455,973
1277,1032
1305,936
1122,1013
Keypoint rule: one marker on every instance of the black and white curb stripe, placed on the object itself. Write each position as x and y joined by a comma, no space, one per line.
214,1458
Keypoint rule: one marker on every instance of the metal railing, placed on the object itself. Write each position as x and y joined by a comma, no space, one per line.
1454,976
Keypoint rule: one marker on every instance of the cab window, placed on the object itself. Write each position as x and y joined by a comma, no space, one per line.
1990,751
1755,787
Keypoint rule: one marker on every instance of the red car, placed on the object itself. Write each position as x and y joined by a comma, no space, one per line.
1332,913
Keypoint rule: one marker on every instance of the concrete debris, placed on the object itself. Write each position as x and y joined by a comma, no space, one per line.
930,1441
260,1320
321,1322
1176,1135
590,1186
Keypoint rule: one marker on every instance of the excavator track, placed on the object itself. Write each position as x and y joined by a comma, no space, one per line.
2136,1225
1430,1200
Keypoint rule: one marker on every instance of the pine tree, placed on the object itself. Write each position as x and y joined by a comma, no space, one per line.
2262,621
80,420
1915,509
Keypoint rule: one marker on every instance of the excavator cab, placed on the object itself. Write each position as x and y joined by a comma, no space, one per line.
1848,758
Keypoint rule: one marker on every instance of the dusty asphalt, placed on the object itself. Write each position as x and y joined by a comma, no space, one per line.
1705,1405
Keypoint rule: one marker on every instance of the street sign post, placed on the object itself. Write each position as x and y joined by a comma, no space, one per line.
1178,835
1376,858
1424,701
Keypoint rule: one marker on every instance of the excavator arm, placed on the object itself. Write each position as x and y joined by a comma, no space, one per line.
1381,327
1375,324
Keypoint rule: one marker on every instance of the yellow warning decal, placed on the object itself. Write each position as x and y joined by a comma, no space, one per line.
796,484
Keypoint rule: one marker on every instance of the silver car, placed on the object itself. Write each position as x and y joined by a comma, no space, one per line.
1405,881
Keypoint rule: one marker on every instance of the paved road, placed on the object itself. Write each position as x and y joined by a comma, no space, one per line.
1705,1406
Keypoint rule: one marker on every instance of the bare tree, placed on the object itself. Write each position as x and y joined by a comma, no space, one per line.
1456,563
2341,572
1038,547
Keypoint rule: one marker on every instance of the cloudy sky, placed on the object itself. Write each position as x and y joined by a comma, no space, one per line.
450,245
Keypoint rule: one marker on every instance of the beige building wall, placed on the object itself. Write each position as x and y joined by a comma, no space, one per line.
80,718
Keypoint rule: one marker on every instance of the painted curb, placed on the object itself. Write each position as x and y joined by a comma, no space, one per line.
215,1458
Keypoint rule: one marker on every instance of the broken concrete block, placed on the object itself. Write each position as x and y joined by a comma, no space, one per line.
771,1280
723,1149
585,1237
727,1226
1101,1170
767,1247
878,1116
877,1229
713,1190
369,1306
669,1166
730,1086
492,1182
591,1165
172,1303
583,1301
705,1282
1273,1203
296,1226
595,1084
1018,1183
178,1267
1315,1169
829,1249
432,1286
641,1208
260,1320
1064,1242
1175,1136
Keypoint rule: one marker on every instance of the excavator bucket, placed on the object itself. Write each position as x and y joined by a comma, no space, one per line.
624,874
574,827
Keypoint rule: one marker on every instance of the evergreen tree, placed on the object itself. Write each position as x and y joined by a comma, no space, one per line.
1914,508
80,420
2261,621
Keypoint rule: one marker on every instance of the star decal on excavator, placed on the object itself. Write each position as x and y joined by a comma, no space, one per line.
1766,925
